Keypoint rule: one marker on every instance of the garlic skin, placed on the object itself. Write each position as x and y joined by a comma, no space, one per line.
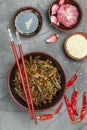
61,2
54,20
55,7
67,15
52,38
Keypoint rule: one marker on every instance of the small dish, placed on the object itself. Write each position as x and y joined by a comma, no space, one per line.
59,94
75,46
60,26
27,21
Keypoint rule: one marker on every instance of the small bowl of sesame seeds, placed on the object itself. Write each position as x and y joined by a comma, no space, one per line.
75,46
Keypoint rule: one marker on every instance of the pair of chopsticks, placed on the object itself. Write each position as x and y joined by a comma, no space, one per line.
28,95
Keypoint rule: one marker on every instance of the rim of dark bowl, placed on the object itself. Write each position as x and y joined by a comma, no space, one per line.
55,100
37,13
61,26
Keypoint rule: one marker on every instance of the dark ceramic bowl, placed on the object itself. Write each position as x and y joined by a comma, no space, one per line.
61,26
27,21
59,94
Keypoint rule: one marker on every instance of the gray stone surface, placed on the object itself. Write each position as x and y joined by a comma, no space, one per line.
12,117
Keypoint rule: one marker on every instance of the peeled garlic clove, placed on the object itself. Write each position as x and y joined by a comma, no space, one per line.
54,19
52,38
61,2
55,7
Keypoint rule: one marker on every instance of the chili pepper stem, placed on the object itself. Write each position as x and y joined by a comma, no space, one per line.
77,121
75,88
38,117
78,70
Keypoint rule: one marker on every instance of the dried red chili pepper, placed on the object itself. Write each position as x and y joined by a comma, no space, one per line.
84,109
58,109
50,116
73,101
69,108
45,117
73,79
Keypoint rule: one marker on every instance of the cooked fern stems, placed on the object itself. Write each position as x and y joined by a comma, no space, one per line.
44,79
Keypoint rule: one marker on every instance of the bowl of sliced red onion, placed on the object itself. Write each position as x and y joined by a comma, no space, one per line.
65,14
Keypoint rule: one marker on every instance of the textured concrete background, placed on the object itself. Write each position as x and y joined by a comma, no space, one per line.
12,117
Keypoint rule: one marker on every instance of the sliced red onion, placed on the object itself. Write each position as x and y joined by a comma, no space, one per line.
52,38
55,7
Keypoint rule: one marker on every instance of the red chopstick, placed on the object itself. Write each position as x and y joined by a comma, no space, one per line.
21,76
26,76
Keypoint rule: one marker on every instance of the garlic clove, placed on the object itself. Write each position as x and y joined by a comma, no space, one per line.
52,38
55,7
61,2
54,20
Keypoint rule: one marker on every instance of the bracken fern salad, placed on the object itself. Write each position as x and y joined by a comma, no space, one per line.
44,79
